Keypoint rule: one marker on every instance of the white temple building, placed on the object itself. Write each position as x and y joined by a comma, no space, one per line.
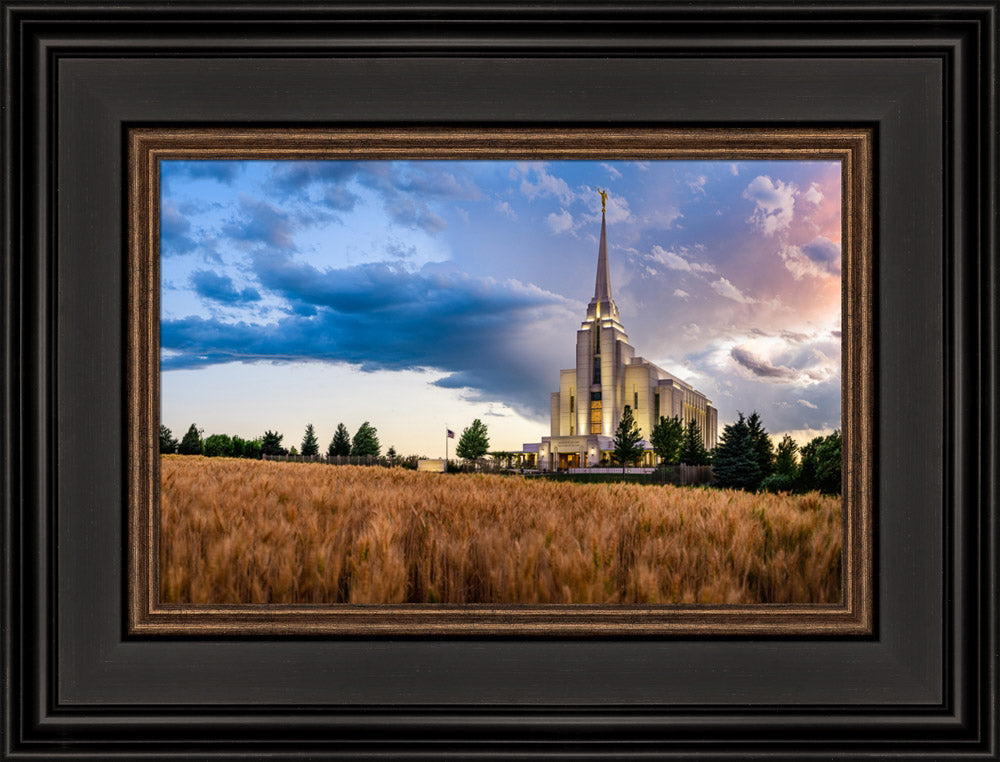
586,410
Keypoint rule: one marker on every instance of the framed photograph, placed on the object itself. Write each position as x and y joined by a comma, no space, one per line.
414,306
564,235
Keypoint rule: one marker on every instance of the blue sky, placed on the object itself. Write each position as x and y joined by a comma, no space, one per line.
416,295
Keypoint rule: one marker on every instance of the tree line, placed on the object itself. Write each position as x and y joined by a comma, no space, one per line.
364,442
744,458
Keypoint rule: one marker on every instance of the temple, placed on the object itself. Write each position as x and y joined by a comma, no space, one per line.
586,410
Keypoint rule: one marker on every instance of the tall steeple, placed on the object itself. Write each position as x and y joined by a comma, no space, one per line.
602,305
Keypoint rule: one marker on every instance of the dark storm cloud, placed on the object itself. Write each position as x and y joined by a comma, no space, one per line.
382,318
224,172
210,285
405,188
761,367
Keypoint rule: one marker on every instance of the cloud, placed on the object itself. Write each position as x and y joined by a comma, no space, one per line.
675,261
775,204
761,367
697,184
536,182
808,404
261,223
681,294
480,331
814,195
818,258
506,209
210,285
225,172
174,231
734,169
613,171
561,222
724,288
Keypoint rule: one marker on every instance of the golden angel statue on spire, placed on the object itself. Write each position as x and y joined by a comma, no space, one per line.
604,198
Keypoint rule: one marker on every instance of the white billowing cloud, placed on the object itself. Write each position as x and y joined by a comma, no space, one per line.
681,293
724,288
561,222
675,261
814,195
775,202
536,182
734,169
818,258
808,404
612,170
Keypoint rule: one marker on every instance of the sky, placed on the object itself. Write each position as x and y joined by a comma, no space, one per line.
421,295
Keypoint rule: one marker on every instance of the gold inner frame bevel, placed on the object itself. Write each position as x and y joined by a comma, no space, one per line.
146,146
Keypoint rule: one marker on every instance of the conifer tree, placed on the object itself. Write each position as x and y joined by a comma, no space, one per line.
693,452
270,444
167,442
365,441
191,443
474,442
762,446
627,449
666,438
341,442
735,461
785,461
310,445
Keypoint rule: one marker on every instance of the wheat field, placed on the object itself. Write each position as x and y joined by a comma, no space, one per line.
245,531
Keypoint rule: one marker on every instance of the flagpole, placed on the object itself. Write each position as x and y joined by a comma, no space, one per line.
446,430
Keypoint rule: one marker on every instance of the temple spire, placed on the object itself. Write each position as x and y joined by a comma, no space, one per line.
602,288
602,305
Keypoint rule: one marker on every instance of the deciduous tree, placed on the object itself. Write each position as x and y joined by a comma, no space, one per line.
474,442
365,441
666,438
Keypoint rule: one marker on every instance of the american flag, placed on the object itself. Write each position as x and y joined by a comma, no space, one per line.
451,434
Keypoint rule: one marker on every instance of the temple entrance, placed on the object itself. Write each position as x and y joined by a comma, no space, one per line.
569,460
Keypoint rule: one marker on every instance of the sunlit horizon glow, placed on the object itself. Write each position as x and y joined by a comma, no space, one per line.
421,295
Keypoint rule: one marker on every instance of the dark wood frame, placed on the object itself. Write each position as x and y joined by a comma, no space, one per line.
76,685
853,615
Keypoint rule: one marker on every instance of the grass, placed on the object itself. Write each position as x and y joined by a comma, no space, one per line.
244,531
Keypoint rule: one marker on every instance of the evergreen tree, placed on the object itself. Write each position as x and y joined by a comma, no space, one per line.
693,451
785,462
762,446
474,442
786,468
821,465
391,455
666,438
270,444
167,442
218,445
191,442
310,445
341,442
239,445
365,441
735,461
627,448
